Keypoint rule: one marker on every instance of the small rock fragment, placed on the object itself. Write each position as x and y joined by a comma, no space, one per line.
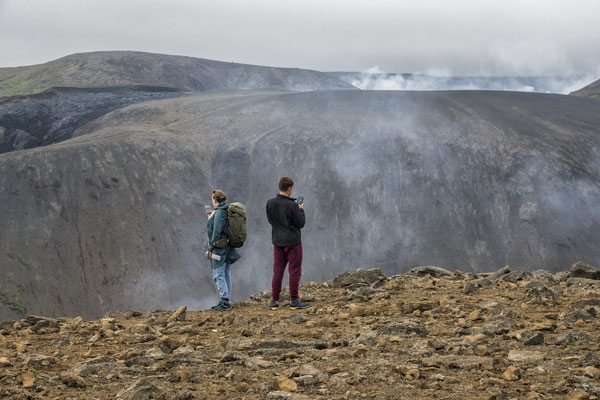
412,374
28,378
589,360
178,315
592,372
281,395
38,361
574,337
139,328
475,315
512,373
578,394
298,318
525,356
142,389
360,351
286,384
535,340
72,380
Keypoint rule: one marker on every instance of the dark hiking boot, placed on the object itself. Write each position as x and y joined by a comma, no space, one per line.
222,305
273,305
298,305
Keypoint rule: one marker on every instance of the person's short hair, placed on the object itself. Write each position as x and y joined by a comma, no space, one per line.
219,196
285,183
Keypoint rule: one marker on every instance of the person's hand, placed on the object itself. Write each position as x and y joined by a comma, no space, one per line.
301,206
208,254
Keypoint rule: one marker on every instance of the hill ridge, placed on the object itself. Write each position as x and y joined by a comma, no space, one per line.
121,68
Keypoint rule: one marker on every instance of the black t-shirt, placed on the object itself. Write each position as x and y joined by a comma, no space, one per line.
286,219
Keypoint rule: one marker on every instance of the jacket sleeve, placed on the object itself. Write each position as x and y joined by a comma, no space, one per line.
269,214
298,216
218,228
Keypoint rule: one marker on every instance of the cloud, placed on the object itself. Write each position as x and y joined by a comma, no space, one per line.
464,37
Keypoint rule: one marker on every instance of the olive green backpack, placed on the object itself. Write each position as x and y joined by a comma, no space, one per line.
236,233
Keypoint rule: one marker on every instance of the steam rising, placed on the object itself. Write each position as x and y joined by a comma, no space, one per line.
375,79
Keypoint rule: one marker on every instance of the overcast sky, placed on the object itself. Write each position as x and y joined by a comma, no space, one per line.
459,37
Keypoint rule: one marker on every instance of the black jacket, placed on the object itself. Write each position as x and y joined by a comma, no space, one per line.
286,219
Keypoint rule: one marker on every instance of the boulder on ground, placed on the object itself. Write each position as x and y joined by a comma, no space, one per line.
583,270
362,277
434,272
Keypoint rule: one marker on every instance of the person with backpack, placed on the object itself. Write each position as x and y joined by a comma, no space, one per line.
286,217
221,252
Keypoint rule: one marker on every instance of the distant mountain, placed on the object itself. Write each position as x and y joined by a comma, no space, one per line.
592,90
159,72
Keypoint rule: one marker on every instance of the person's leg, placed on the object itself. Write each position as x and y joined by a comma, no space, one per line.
228,279
279,263
219,277
295,258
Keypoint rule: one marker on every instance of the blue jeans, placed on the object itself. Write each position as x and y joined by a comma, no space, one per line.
222,277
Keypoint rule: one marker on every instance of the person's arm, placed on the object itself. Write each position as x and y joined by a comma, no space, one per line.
298,216
270,218
218,228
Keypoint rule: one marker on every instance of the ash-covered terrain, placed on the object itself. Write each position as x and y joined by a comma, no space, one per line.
44,104
113,218
592,90
430,333
32,121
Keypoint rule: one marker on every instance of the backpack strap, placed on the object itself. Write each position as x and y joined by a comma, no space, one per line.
223,242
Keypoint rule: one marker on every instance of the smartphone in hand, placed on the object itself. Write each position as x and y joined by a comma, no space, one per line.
207,210
300,200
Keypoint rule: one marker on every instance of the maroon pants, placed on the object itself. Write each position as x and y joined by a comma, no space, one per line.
281,256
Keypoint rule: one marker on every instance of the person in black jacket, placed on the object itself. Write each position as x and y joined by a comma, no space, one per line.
286,218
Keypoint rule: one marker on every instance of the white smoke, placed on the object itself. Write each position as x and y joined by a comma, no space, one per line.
375,78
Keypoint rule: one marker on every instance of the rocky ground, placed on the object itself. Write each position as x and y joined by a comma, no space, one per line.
426,334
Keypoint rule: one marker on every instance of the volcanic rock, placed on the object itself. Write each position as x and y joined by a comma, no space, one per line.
435,272
178,315
142,389
472,286
535,340
572,337
402,326
583,270
525,356
359,278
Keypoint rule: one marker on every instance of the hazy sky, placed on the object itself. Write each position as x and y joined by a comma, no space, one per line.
461,37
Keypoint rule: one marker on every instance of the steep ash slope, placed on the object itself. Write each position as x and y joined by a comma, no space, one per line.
592,90
125,68
31,121
113,218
